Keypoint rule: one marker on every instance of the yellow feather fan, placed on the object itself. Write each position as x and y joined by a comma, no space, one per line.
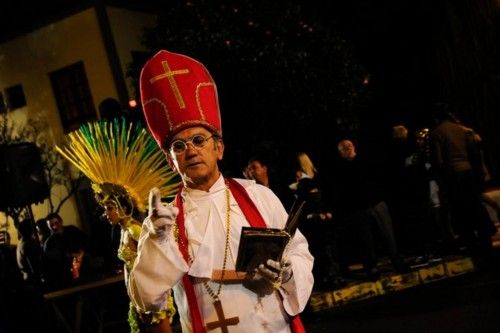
121,160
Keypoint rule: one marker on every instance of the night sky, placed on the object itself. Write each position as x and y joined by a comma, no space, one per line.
415,52
394,41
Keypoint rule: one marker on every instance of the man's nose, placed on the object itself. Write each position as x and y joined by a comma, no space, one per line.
190,149
189,145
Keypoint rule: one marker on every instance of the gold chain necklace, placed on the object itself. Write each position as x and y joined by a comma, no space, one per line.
210,291
222,321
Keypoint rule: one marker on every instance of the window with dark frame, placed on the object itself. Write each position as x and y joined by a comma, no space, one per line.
15,97
73,97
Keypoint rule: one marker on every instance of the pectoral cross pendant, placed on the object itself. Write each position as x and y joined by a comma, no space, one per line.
223,322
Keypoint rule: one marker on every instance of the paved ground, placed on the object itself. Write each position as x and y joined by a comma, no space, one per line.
462,304
469,303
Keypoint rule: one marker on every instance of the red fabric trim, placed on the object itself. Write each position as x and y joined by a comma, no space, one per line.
246,204
194,310
296,325
253,217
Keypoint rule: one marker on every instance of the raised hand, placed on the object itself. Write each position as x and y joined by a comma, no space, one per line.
162,217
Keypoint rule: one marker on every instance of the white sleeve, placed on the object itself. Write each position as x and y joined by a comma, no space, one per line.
158,267
297,290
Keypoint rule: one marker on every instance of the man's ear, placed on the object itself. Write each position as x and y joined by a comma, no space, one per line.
220,149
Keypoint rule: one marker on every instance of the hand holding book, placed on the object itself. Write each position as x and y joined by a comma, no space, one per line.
257,245
268,277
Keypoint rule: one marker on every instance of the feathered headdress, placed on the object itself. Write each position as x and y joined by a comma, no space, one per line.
122,161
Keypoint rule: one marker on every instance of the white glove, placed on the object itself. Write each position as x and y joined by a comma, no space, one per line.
268,277
162,217
276,271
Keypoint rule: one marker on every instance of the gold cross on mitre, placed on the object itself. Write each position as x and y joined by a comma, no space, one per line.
223,322
169,74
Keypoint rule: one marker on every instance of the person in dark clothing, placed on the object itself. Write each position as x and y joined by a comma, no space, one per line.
29,255
4,238
259,170
110,108
317,226
30,264
108,241
412,195
11,286
459,166
358,208
63,251
43,230
115,235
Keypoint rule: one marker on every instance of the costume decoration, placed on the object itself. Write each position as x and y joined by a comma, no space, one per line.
123,163
178,92
255,219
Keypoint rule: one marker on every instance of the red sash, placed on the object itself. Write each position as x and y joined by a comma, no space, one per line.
194,311
253,217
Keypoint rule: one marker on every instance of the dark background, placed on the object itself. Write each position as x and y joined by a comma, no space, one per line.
298,75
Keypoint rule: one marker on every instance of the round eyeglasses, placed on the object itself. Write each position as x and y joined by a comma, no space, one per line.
198,141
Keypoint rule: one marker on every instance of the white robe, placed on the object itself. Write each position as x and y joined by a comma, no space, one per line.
160,266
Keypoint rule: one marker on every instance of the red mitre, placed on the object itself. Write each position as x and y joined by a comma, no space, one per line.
178,92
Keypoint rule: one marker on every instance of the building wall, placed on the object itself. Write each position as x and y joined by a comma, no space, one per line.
29,59
127,27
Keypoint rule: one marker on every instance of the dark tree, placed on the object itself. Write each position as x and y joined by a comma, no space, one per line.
282,76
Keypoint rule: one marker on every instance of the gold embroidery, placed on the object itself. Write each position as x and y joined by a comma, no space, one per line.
198,103
169,74
156,100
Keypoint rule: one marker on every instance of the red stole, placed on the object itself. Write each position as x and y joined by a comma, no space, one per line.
253,217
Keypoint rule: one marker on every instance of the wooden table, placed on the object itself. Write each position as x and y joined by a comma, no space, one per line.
79,291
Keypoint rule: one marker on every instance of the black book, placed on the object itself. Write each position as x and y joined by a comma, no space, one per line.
257,245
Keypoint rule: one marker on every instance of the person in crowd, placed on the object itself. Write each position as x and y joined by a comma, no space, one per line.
11,288
491,199
63,252
191,245
316,224
124,196
461,178
30,264
29,255
9,272
4,237
307,186
360,209
412,196
113,262
259,170
110,108
42,230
